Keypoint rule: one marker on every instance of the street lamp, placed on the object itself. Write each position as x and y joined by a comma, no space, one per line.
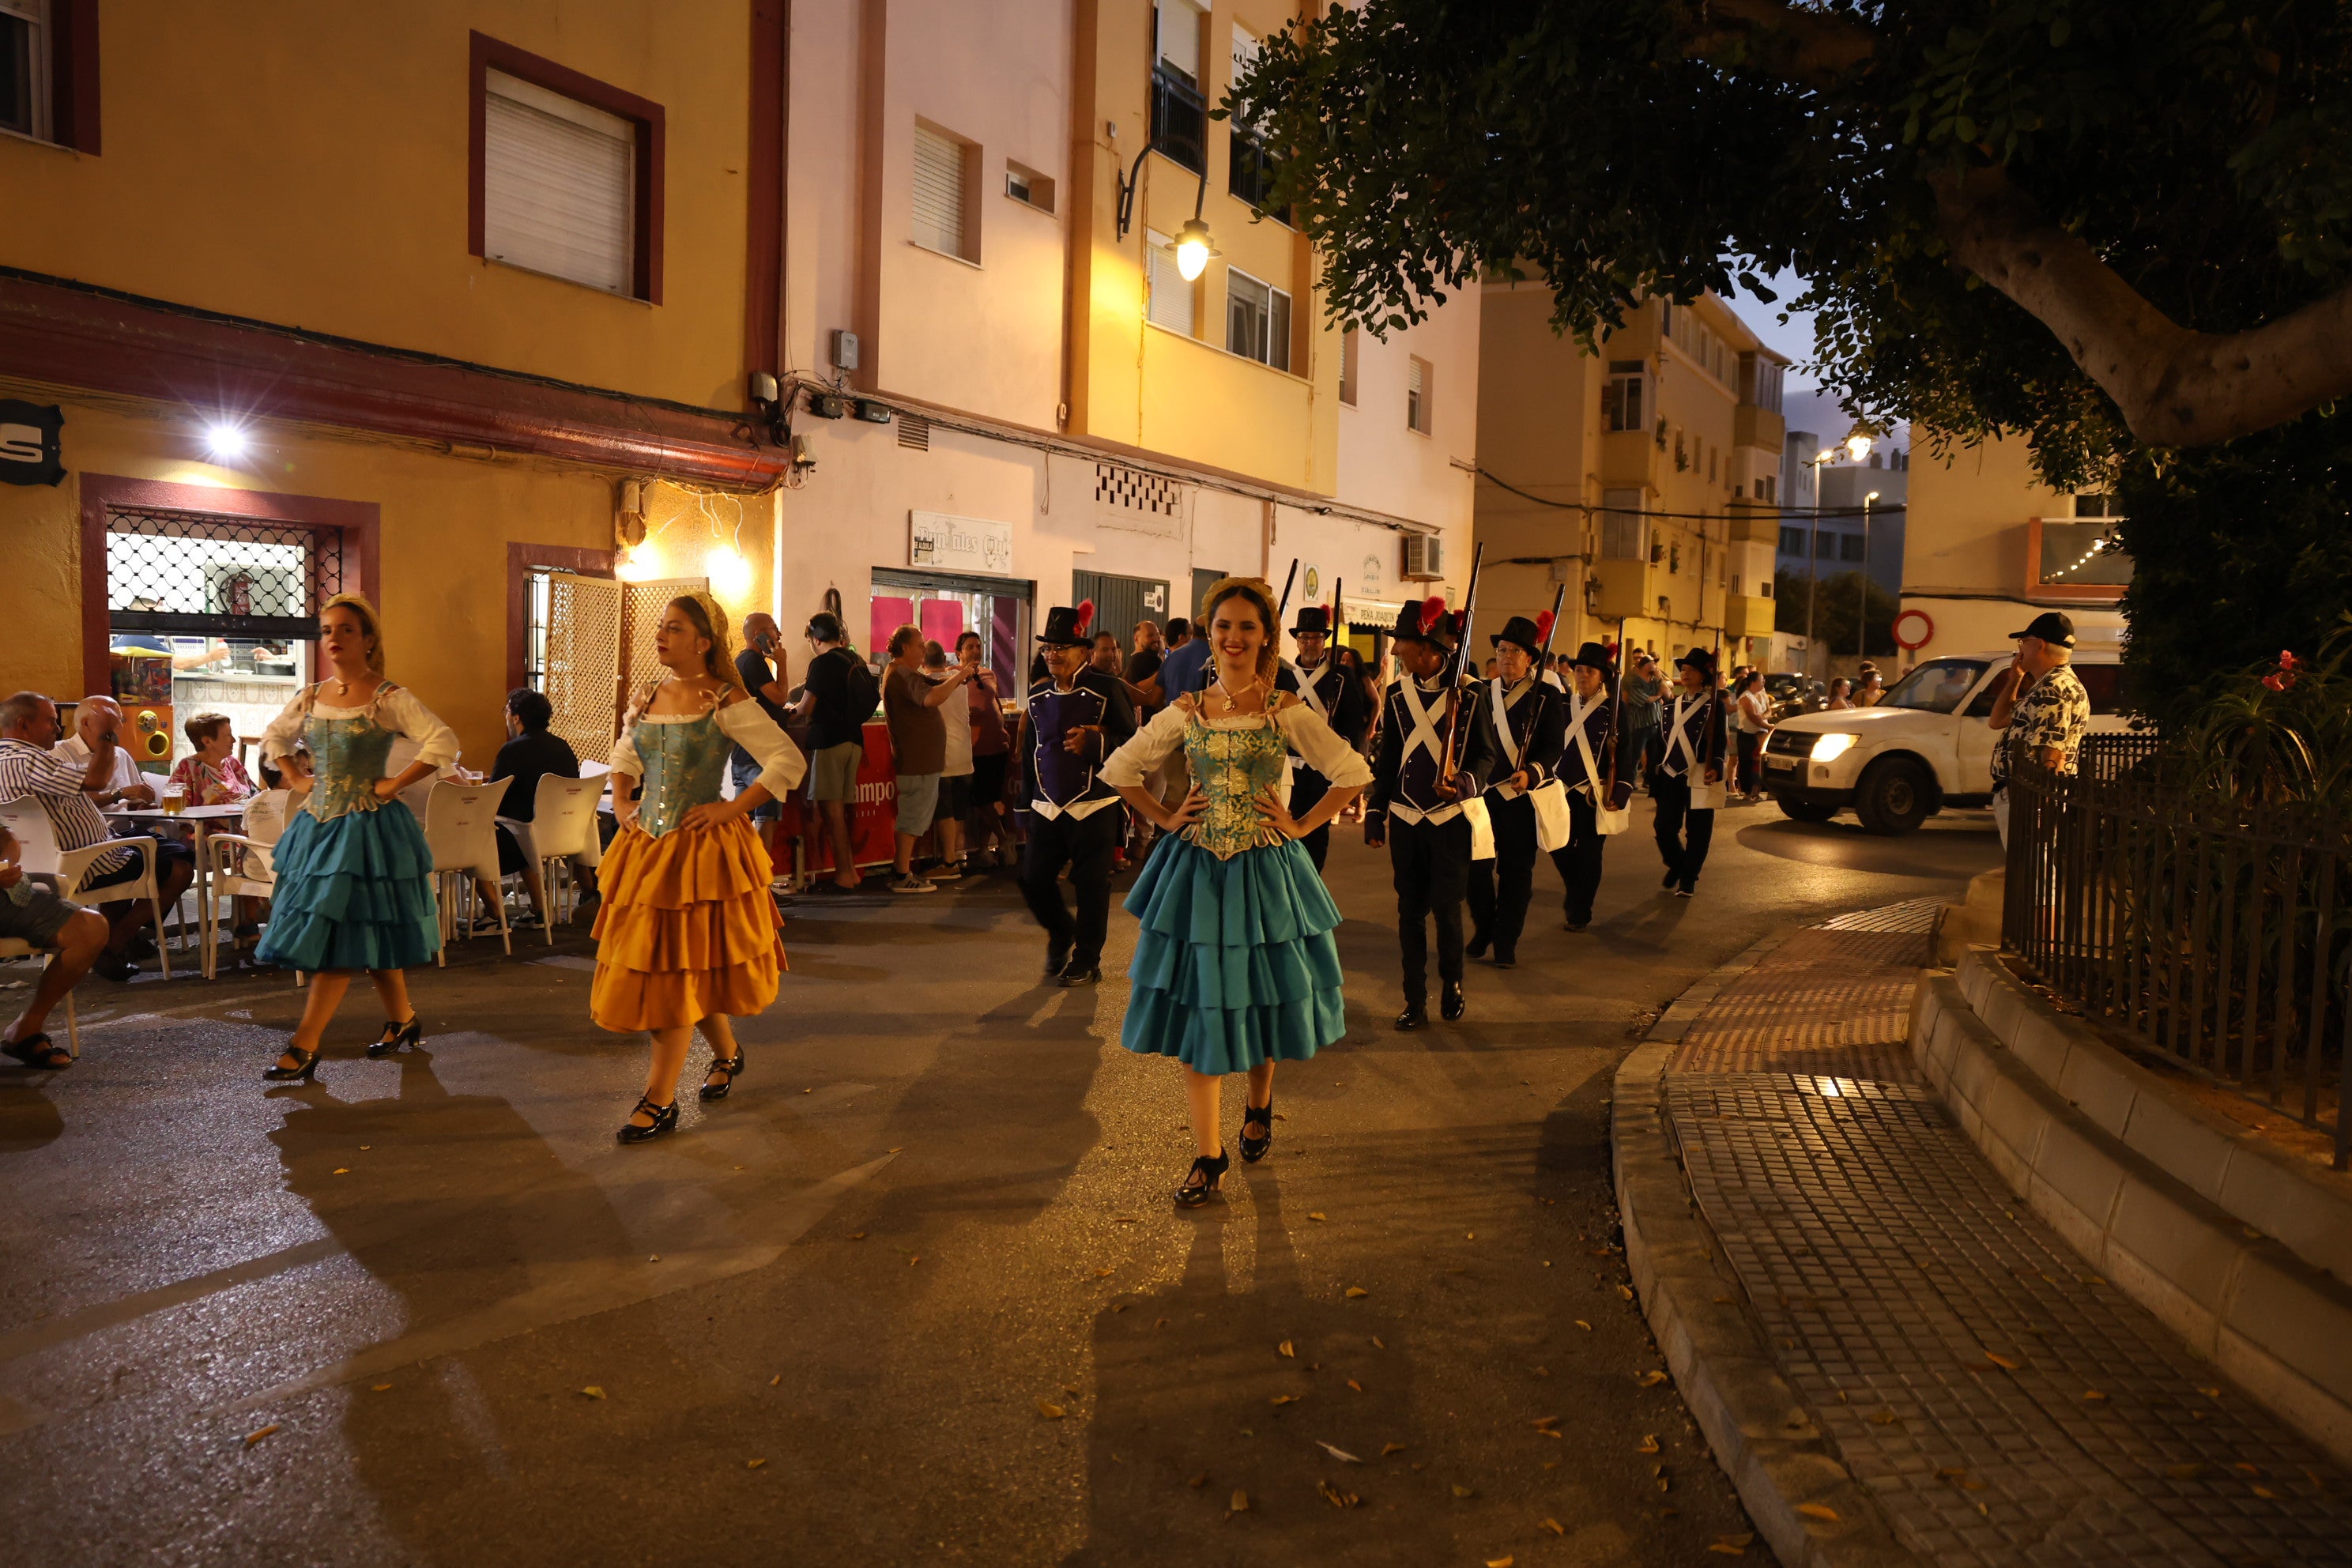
1861,633
1194,248
1856,444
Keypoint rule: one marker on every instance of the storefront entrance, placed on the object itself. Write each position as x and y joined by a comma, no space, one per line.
946,606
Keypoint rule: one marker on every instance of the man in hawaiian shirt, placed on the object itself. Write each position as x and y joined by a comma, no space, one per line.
2040,704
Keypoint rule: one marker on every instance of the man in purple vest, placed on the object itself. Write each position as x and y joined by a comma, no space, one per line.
1075,719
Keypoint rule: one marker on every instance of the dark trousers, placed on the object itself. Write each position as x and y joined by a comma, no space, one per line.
1308,789
1751,762
1431,866
1500,887
1084,846
1684,833
1579,860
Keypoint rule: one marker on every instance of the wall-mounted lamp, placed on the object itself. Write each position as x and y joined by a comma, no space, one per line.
1194,244
227,442
1194,248
769,399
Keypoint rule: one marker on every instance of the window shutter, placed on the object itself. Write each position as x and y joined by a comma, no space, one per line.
1180,39
558,185
1172,297
1277,330
939,193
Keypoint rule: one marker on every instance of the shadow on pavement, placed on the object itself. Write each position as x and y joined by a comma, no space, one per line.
29,1118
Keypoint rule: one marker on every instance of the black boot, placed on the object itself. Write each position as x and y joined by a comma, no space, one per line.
1451,1003
1416,1014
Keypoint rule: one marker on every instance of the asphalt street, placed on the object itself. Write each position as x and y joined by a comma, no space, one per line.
914,1293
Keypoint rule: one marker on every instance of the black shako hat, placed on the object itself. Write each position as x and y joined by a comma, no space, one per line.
1698,658
1427,621
1520,632
1313,618
2052,626
1069,627
1592,656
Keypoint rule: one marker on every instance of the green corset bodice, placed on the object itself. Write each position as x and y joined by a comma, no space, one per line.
347,756
1233,768
685,761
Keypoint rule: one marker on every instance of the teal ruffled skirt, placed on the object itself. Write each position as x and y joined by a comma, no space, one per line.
1235,963
353,893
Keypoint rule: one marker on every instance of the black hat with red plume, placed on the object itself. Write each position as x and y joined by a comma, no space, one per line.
1427,621
1314,620
1067,627
1528,634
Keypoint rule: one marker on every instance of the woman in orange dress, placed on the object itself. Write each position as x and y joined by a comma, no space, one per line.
687,935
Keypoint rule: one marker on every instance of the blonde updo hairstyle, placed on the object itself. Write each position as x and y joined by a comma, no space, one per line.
370,624
1260,594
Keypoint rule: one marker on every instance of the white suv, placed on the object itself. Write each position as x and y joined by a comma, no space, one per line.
1925,747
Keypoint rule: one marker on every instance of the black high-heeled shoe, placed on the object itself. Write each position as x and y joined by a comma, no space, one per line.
1254,1149
732,1067
305,1067
398,1035
665,1118
1200,1182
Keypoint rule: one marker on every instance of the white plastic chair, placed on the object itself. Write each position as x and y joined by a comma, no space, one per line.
561,835
461,829
241,867
38,851
16,947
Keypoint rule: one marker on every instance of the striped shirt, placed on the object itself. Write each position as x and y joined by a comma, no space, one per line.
56,782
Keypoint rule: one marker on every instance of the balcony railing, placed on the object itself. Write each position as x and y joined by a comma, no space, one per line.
1180,120
1250,170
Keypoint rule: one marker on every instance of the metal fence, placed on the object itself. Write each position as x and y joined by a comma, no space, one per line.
2218,935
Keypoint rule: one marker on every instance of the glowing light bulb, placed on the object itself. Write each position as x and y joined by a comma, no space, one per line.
227,442
632,567
1194,248
728,572
1858,445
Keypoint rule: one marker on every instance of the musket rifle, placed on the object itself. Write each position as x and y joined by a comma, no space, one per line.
1461,657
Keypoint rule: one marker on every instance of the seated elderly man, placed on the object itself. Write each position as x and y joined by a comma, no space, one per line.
33,913
71,794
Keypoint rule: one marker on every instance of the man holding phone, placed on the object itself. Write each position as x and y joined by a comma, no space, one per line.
763,642
2040,706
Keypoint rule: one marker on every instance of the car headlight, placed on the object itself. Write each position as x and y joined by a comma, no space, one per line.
1830,748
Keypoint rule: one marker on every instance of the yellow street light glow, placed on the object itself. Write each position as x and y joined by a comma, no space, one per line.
632,567
1194,248
226,441
1858,446
728,572
1872,496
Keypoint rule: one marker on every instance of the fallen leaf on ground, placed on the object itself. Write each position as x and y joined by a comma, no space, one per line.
2093,1393
1725,1549
1102,1273
1554,1526
754,1464
2210,1393
857,1235
1818,1510
1650,1379
1540,1422
253,1438
1387,1448
1470,1236
2008,1364
1460,1490
1648,1444
654,1259
2185,1472
1543,1371
1050,1411
1288,1398
1884,1417
1335,1496
1285,1348
1585,1326
381,1387
2264,1491
1239,1503
342,1170
1499,1562
913,1258
1197,1482
2250,1469
1355,1291
1121,1306
1376,1344
1354,1384
775,1380
1626,1291
1315,1214
593,1392
1341,1455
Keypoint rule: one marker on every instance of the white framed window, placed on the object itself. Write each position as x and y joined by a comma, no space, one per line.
1417,393
1258,320
27,68
1621,394
945,218
1348,353
1244,52
1028,187
1170,303
1177,29
558,185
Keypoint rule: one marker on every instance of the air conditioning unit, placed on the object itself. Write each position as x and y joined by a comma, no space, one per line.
1425,558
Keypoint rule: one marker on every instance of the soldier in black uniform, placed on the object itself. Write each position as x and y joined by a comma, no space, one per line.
1525,714
1072,722
1415,806
1692,754
1586,768
1329,684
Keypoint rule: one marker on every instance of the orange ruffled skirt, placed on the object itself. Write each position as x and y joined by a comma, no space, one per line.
688,928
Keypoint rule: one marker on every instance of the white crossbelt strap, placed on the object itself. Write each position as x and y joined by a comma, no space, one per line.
1423,738
1576,710
1680,739
1308,694
1498,708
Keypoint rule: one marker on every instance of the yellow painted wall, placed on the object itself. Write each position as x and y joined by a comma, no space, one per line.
446,523
306,163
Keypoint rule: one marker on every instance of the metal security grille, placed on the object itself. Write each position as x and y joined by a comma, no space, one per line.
581,676
192,574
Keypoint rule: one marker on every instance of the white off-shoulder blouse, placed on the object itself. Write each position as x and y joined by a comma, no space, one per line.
1300,725
394,707
747,724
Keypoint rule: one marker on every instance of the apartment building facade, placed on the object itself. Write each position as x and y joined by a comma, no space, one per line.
1645,477
517,317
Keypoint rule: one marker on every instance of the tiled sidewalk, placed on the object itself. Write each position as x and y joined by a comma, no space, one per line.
2003,1404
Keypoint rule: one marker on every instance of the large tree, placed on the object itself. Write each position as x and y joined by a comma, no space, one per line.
2120,227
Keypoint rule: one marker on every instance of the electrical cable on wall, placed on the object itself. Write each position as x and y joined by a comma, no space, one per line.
1691,516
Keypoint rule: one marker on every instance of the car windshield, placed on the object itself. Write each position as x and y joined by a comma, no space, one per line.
1784,686
1938,686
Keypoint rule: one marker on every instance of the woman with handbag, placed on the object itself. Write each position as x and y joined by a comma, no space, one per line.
1525,710
1597,799
1686,781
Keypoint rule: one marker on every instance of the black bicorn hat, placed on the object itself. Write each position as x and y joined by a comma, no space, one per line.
1698,658
1592,656
1428,622
1521,632
1314,618
1069,627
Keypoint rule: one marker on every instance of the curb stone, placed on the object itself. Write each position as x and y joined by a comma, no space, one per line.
1760,1433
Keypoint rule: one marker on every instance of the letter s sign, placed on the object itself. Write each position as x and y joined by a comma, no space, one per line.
32,449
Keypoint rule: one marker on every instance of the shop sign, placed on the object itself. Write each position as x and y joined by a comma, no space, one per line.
947,543
32,443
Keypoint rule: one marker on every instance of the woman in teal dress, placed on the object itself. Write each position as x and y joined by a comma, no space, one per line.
1236,967
355,878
